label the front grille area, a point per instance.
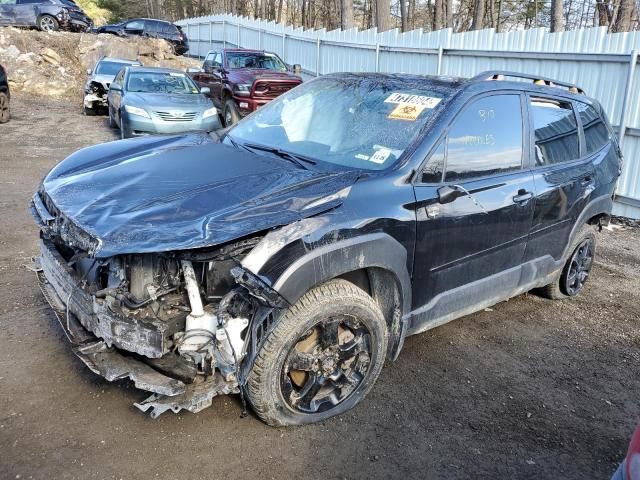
(267, 89)
(177, 116)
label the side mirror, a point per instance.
(115, 88)
(297, 69)
(449, 193)
(89, 71)
(205, 90)
(194, 70)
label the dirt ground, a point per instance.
(531, 389)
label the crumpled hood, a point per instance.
(173, 193)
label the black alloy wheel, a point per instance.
(578, 269)
(326, 365)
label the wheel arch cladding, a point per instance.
(383, 259)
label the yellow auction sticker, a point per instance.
(406, 111)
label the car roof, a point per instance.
(151, 19)
(247, 50)
(478, 84)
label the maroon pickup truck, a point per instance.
(242, 80)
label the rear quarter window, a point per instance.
(556, 131)
(596, 134)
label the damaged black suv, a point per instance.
(286, 258)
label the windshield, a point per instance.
(353, 121)
(267, 61)
(161, 82)
(110, 68)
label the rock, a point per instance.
(11, 51)
(26, 58)
(50, 56)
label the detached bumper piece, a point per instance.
(67, 298)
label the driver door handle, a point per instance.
(523, 196)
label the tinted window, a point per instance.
(595, 131)
(7, 2)
(22, 2)
(485, 139)
(153, 27)
(169, 28)
(135, 25)
(556, 131)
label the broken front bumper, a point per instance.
(70, 303)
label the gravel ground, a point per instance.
(529, 389)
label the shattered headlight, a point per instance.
(141, 112)
(209, 112)
(242, 89)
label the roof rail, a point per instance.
(536, 79)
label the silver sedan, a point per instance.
(147, 100)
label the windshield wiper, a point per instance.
(295, 158)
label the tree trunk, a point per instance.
(556, 16)
(346, 17)
(449, 17)
(383, 15)
(603, 13)
(624, 17)
(478, 15)
(438, 14)
(403, 15)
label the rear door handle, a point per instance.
(523, 196)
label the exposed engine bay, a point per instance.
(95, 96)
(183, 326)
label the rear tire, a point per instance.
(5, 108)
(337, 337)
(230, 114)
(576, 269)
(47, 23)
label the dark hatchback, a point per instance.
(288, 257)
(148, 27)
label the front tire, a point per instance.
(47, 23)
(124, 134)
(577, 268)
(230, 114)
(323, 356)
(5, 108)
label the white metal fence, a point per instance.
(604, 65)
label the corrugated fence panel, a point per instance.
(591, 58)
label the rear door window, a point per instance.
(556, 131)
(595, 131)
(485, 139)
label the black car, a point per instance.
(150, 28)
(47, 15)
(288, 257)
(5, 96)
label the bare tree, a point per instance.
(557, 24)
(383, 15)
(478, 15)
(624, 18)
(403, 15)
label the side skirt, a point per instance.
(478, 295)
